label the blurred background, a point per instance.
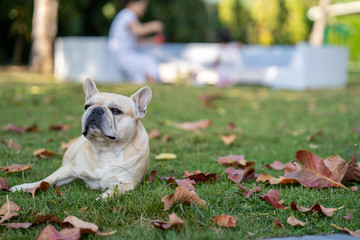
(264, 22)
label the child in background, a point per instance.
(124, 37)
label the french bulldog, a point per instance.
(112, 153)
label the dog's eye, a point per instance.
(86, 107)
(116, 111)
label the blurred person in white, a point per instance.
(125, 35)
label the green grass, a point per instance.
(274, 126)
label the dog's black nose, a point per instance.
(98, 111)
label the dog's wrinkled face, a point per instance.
(112, 116)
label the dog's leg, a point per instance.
(62, 175)
(121, 188)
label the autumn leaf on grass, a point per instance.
(272, 197)
(237, 175)
(12, 128)
(182, 195)
(4, 185)
(66, 145)
(336, 165)
(263, 177)
(314, 173)
(352, 173)
(192, 126)
(13, 145)
(278, 223)
(245, 191)
(199, 176)
(315, 208)
(154, 133)
(59, 127)
(355, 233)
(225, 221)
(276, 165)
(292, 166)
(43, 186)
(50, 233)
(295, 222)
(228, 140)
(16, 168)
(348, 217)
(186, 183)
(165, 156)
(354, 188)
(39, 220)
(235, 161)
(8, 210)
(85, 227)
(174, 222)
(43, 153)
(231, 127)
(152, 176)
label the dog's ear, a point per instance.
(89, 88)
(142, 99)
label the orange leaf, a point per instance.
(225, 221)
(228, 139)
(182, 195)
(263, 177)
(16, 168)
(42, 187)
(174, 222)
(43, 153)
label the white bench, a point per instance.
(296, 67)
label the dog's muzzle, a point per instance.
(94, 120)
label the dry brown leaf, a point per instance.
(85, 227)
(13, 145)
(47, 218)
(166, 138)
(152, 176)
(272, 197)
(231, 127)
(257, 189)
(12, 128)
(174, 222)
(4, 186)
(315, 208)
(276, 165)
(182, 195)
(65, 146)
(41, 187)
(336, 165)
(352, 170)
(43, 153)
(59, 127)
(17, 225)
(228, 140)
(355, 233)
(225, 221)
(314, 173)
(16, 168)
(292, 166)
(235, 161)
(154, 133)
(295, 222)
(278, 223)
(194, 126)
(199, 176)
(263, 177)
(8, 210)
(50, 233)
(245, 191)
(57, 192)
(283, 180)
(354, 188)
(348, 217)
(237, 175)
(186, 183)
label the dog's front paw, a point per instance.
(106, 195)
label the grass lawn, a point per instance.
(274, 125)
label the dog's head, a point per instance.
(112, 116)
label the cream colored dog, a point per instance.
(113, 152)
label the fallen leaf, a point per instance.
(278, 223)
(237, 175)
(336, 165)
(65, 146)
(354, 188)
(17, 225)
(47, 218)
(16, 168)
(314, 173)
(57, 192)
(193, 126)
(166, 156)
(272, 197)
(231, 127)
(235, 161)
(245, 191)
(228, 140)
(83, 209)
(207, 99)
(166, 138)
(283, 180)
(174, 222)
(32, 128)
(43, 153)
(50, 233)
(85, 227)
(59, 127)
(4, 185)
(13, 145)
(295, 222)
(182, 195)
(186, 183)
(152, 176)
(355, 233)
(292, 166)
(276, 165)
(257, 189)
(263, 177)
(348, 217)
(352, 173)
(8, 210)
(202, 177)
(12, 128)
(225, 221)
(41, 187)
(154, 133)
(315, 208)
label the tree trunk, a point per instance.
(44, 31)
(318, 28)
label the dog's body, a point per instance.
(113, 152)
